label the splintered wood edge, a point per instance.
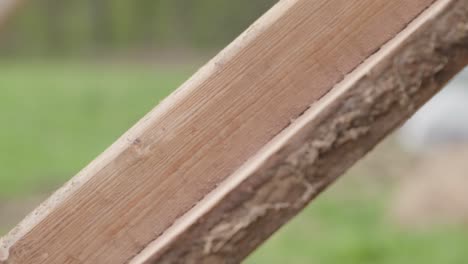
(322, 144)
(53, 233)
(43, 210)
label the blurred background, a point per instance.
(75, 75)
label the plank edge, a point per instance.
(184, 238)
(126, 140)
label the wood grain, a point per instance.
(205, 131)
(311, 153)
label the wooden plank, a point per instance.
(204, 132)
(322, 144)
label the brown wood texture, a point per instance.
(333, 134)
(231, 125)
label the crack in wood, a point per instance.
(346, 131)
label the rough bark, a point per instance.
(123, 201)
(343, 126)
(201, 134)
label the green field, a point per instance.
(56, 117)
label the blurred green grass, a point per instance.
(355, 231)
(56, 117)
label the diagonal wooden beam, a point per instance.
(254, 136)
(322, 144)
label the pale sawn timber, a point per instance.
(209, 133)
(322, 144)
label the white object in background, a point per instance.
(6, 6)
(442, 121)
